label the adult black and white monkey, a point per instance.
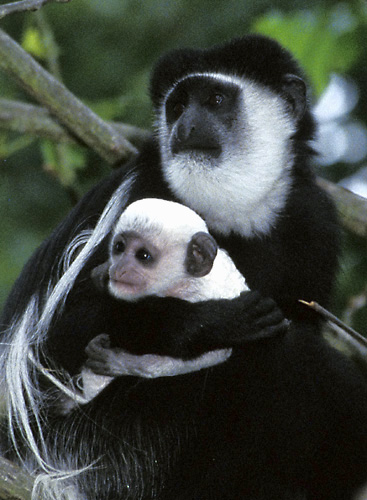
(284, 417)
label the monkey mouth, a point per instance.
(127, 283)
(202, 152)
(125, 286)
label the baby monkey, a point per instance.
(159, 248)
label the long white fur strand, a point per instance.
(20, 357)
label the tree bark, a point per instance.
(37, 121)
(24, 5)
(71, 112)
(351, 207)
(15, 484)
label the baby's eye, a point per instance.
(119, 246)
(144, 256)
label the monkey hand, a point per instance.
(260, 317)
(99, 355)
(246, 318)
(114, 362)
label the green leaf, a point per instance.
(63, 161)
(33, 43)
(316, 42)
(10, 145)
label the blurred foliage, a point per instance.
(324, 40)
(104, 51)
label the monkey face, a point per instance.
(200, 114)
(134, 260)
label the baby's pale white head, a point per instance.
(157, 245)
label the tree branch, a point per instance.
(71, 112)
(36, 121)
(336, 321)
(25, 5)
(351, 207)
(15, 484)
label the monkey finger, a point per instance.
(103, 340)
(98, 344)
(97, 367)
(253, 305)
(96, 357)
(274, 330)
(250, 298)
(264, 306)
(273, 317)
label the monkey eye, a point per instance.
(215, 100)
(119, 246)
(144, 256)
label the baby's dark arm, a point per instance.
(178, 328)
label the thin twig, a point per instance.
(336, 321)
(51, 49)
(25, 5)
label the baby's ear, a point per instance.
(200, 255)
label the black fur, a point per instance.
(285, 418)
(259, 58)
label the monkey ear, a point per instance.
(100, 276)
(295, 93)
(201, 252)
